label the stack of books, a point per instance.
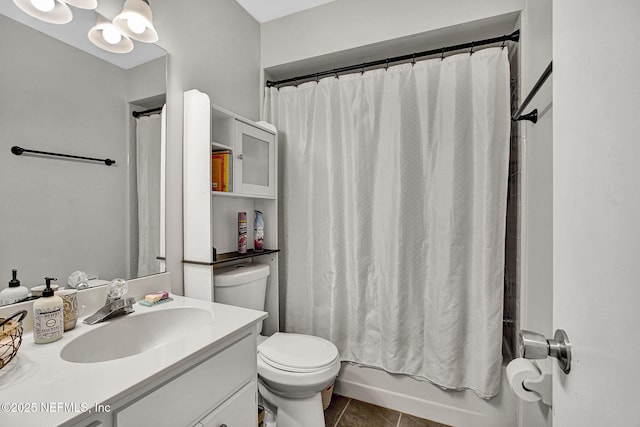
(221, 171)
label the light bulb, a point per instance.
(136, 24)
(44, 5)
(111, 35)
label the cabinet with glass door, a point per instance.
(229, 166)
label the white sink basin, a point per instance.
(134, 334)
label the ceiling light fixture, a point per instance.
(51, 11)
(44, 5)
(106, 36)
(136, 21)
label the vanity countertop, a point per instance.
(39, 388)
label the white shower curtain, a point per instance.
(148, 174)
(393, 202)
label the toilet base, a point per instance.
(306, 412)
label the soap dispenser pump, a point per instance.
(15, 292)
(48, 316)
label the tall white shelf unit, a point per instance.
(210, 217)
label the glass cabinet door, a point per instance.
(255, 161)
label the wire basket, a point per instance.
(10, 336)
(260, 416)
(326, 397)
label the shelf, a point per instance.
(240, 195)
(234, 256)
(218, 146)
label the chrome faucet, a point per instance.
(115, 305)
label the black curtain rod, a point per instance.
(19, 150)
(137, 114)
(532, 116)
(514, 37)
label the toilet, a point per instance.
(292, 368)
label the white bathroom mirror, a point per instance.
(60, 215)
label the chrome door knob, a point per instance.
(535, 346)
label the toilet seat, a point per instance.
(292, 371)
(298, 353)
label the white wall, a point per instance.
(213, 46)
(536, 190)
(347, 24)
(57, 98)
(147, 80)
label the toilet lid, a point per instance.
(298, 353)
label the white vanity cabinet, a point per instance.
(197, 368)
(238, 411)
(220, 390)
(224, 384)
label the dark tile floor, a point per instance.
(345, 412)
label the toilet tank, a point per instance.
(241, 285)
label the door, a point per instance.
(596, 212)
(255, 165)
(241, 410)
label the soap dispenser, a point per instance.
(14, 292)
(48, 317)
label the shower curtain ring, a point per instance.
(386, 64)
(442, 55)
(503, 44)
(317, 78)
(413, 60)
(471, 51)
(296, 85)
(362, 71)
(337, 76)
